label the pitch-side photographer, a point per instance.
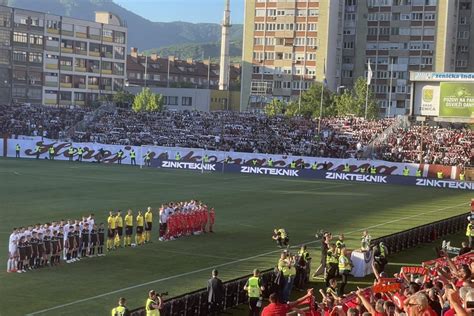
(153, 304)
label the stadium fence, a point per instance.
(195, 303)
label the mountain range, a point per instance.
(181, 39)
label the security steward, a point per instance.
(373, 170)
(254, 290)
(462, 176)
(205, 159)
(80, 153)
(70, 153)
(293, 165)
(314, 166)
(51, 153)
(380, 257)
(345, 267)
(133, 156)
(418, 173)
(17, 151)
(406, 171)
(153, 304)
(147, 158)
(303, 267)
(470, 232)
(121, 309)
(120, 156)
(439, 175)
(270, 162)
(37, 151)
(362, 169)
(177, 157)
(347, 168)
(332, 262)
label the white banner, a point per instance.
(91, 154)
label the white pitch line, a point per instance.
(227, 263)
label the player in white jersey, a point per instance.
(12, 251)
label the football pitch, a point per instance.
(247, 207)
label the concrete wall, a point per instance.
(200, 97)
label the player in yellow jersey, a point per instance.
(119, 229)
(127, 241)
(139, 234)
(111, 225)
(148, 224)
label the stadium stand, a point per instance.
(346, 137)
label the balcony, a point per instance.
(80, 52)
(66, 85)
(79, 102)
(106, 71)
(66, 67)
(107, 88)
(94, 86)
(80, 69)
(49, 101)
(52, 48)
(108, 55)
(65, 102)
(107, 39)
(52, 31)
(93, 53)
(53, 84)
(94, 37)
(52, 66)
(81, 35)
(67, 33)
(80, 86)
(66, 50)
(96, 70)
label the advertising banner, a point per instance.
(456, 100)
(244, 163)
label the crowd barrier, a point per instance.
(109, 154)
(195, 303)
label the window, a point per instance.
(19, 56)
(172, 101)
(463, 34)
(52, 24)
(186, 101)
(119, 52)
(34, 94)
(36, 39)
(119, 37)
(19, 75)
(461, 63)
(20, 37)
(19, 92)
(35, 57)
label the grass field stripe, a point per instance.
(227, 263)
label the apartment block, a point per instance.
(171, 72)
(288, 45)
(56, 60)
(395, 36)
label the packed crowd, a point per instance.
(244, 132)
(438, 287)
(429, 144)
(43, 245)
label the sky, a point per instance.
(196, 11)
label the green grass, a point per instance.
(247, 209)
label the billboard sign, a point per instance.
(456, 100)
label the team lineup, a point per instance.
(41, 245)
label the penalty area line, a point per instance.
(228, 263)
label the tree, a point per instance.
(345, 104)
(274, 108)
(147, 101)
(123, 98)
(360, 92)
(311, 103)
(352, 102)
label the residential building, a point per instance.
(288, 45)
(156, 71)
(395, 36)
(58, 60)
